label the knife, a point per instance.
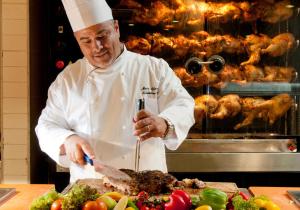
(108, 171)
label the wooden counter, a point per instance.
(25, 194)
(278, 196)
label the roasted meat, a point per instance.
(254, 45)
(253, 73)
(277, 12)
(278, 74)
(250, 112)
(193, 13)
(157, 13)
(223, 12)
(280, 44)
(138, 45)
(160, 45)
(153, 182)
(275, 107)
(228, 106)
(186, 78)
(230, 73)
(204, 105)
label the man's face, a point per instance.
(100, 43)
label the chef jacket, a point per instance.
(100, 104)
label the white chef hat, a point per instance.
(85, 13)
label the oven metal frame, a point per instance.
(213, 155)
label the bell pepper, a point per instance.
(176, 202)
(186, 197)
(215, 198)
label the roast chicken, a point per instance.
(251, 108)
(204, 106)
(275, 107)
(235, 74)
(250, 112)
(193, 13)
(280, 44)
(278, 74)
(253, 73)
(139, 45)
(254, 45)
(228, 106)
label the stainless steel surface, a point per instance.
(233, 162)
(140, 104)
(234, 155)
(137, 155)
(235, 145)
(109, 171)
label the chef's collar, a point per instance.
(90, 68)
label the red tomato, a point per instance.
(91, 205)
(145, 208)
(56, 205)
(101, 204)
(143, 195)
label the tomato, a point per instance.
(101, 204)
(144, 207)
(143, 196)
(91, 205)
(56, 205)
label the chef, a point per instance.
(91, 106)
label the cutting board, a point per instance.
(278, 196)
(228, 187)
(25, 194)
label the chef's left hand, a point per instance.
(148, 125)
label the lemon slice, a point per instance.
(121, 205)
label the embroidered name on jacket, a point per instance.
(149, 90)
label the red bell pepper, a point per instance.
(179, 200)
(186, 197)
(176, 203)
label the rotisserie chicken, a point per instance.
(193, 13)
(138, 45)
(278, 74)
(277, 12)
(253, 73)
(230, 73)
(204, 105)
(250, 112)
(275, 107)
(280, 44)
(254, 45)
(228, 106)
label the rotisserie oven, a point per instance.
(240, 61)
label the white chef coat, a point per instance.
(99, 105)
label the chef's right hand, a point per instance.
(75, 147)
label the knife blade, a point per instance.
(107, 170)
